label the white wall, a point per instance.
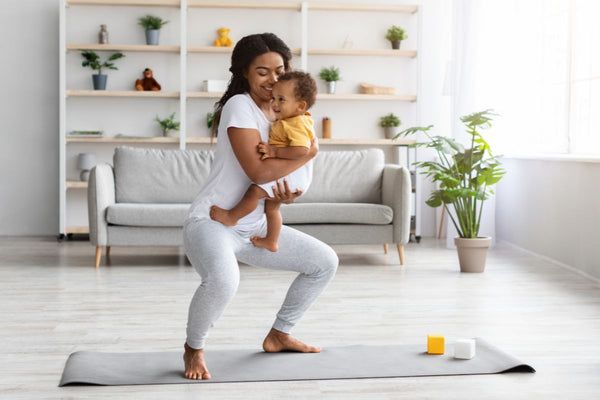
(29, 109)
(552, 208)
(29, 153)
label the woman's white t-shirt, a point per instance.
(227, 182)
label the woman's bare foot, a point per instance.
(278, 341)
(264, 243)
(195, 367)
(223, 216)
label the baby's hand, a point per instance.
(266, 150)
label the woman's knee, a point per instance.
(222, 286)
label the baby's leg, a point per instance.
(274, 223)
(247, 204)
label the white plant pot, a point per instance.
(472, 253)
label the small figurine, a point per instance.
(148, 83)
(103, 35)
(223, 40)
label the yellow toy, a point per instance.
(435, 344)
(223, 40)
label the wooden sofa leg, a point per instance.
(107, 251)
(98, 255)
(401, 253)
(385, 248)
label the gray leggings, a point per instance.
(214, 251)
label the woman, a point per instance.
(244, 116)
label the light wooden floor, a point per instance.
(54, 303)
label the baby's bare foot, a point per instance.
(223, 216)
(264, 243)
(195, 367)
(278, 341)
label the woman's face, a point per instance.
(262, 75)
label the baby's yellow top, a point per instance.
(293, 131)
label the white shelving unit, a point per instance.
(183, 94)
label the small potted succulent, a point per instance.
(389, 123)
(92, 60)
(330, 75)
(395, 35)
(465, 175)
(168, 124)
(152, 25)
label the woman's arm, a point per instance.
(244, 143)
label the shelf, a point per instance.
(77, 184)
(144, 3)
(156, 139)
(408, 9)
(120, 93)
(123, 47)
(323, 96)
(344, 142)
(364, 52)
(358, 96)
(221, 50)
(78, 229)
(245, 4)
(323, 6)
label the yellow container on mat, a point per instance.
(435, 344)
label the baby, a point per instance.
(290, 137)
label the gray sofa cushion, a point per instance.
(159, 176)
(158, 215)
(346, 177)
(330, 213)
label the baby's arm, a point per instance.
(290, 152)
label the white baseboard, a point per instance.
(553, 261)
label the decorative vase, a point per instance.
(472, 253)
(326, 128)
(331, 87)
(152, 36)
(99, 81)
(396, 44)
(103, 35)
(390, 131)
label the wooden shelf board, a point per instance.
(358, 96)
(157, 139)
(120, 93)
(77, 184)
(123, 47)
(145, 3)
(78, 229)
(245, 4)
(408, 9)
(293, 5)
(344, 142)
(323, 96)
(221, 50)
(364, 52)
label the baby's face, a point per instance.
(284, 101)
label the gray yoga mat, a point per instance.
(349, 362)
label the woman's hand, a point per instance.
(314, 148)
(284, 194)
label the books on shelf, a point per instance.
(86, 134)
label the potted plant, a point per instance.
(168, 124)
(92, 60)
(465, 176)
(395, 35)
(330, 75)
(152, 25)
(388, 123)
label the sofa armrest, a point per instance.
(101, 194)
(396, 193)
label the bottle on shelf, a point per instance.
(103, 35)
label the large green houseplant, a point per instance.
(465, 175)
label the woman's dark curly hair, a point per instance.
(244, 52)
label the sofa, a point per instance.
(144, 197)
